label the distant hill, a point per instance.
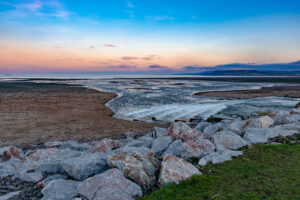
(249, 73)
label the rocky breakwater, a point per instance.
(135, 164)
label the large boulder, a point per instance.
(201, 126)
(159, 132)
(260, 135)
(219, 156)
(174, 149)
(237, 126)
(213, 128)
(161, 144)
(47, 160)
(175, 169)
(137, 167)
(102, 186)
(33, 177)
(141, 142)
(265, 121)
(229, 140)
(178, 128)
(76, 146)
(196, 147)
(85, 165)
(47, 180)
(287, 129)
(60, 189)
(141, 150)
(281, 117)
(106, 145)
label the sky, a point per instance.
(145, 35)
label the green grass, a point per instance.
(263, 172)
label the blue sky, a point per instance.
(98, 35)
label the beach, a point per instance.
(33, 113)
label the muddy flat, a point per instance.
(39, 112)
(277, 91)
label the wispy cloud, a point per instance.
(160, 18)
(150, 57)
(109, 45)
(158, 67)
(129, 58)
(38, 8)
(123, 67)
(129, 4)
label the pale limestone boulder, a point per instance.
(106, 145)
(229, 140)
(174, 149)
(161, 144)
(219, 156)
(159, 132)
(101, 186)
(175, 169)
(260, 135)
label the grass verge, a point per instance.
(263, 172)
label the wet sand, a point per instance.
(278, 91)
(39, 112)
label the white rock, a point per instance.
(33, 177)
(175, 169)
(141, 150)
(112, 181)
(265, 121)
(260, 135)
(196, 147)
(219, 156)
(237, 126)
(47, 180)
(229, 140)
(202, 125)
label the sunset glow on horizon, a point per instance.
(145, 35)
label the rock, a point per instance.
(175, 169)
(177, 129)
(265, 121)
(229, 140)
(85, 166)
(137, 167)
(161, 144)
(106, 145)
(293, 118)
(33, 177)
(141, 142)
(141, 150)
(281, 117)
(47, 180)
(8, 168)
(260, 135)
(159, 132)
(213, 128)
(201, 126)
(60, 189)
(7, 153)
(287, 129)
(237, 126)
(9, 196)
(75, 146)
(108, 194)
(47, 160)
(174, 149)
(196, 147)
(219, 156)
(101, 186)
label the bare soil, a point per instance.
(40, 112)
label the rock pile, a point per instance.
(132, 166)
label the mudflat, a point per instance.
(278, 91)
(38, 112)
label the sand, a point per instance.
(38, 112)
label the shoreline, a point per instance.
(39, 112)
